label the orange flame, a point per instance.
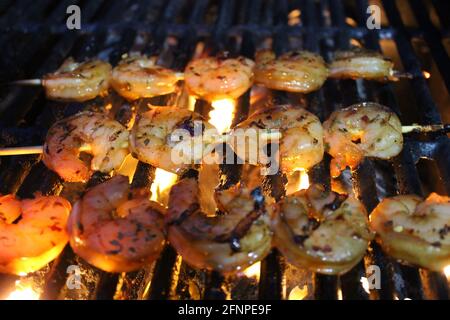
(161, 185)
(23, 292)
(222, 114)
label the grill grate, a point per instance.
(37, 43)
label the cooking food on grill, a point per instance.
(171, 138)
(215, 78)
(301, 143)
(230, 241)
(137, 76)
(414, 230)
(321, 230)
(362, 63)
(295, 71)
(32, 232)
(115, 228)
(106, 140)
(366, 129)
(78, 81)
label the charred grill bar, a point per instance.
(38, 42)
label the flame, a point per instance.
(365, 284)
(303, 182)
(191, 103)
(23, 292)
(298, 293)
(161, 184)
(253, 271)
(128, 167)
(426, 74)
(222, 114)
(447, 272)
(339, 294)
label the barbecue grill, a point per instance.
(35, 40)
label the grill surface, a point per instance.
(35, 41)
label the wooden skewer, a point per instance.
(16, 151)
(26, 82)
(445, 128)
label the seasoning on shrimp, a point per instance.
(216, 78)
(75, 81)
(137, 76)
(295, 71)
(366, 129)
(227, 242)
(32, 232)
(105, 139)
(321, 230)
(362, 63)
(301, 143)
(115, 228)
(414, 230)
(171, 138)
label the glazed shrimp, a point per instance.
(301, 143)
(321, 230)
(296, 71)
(115, 228)
(105, 139)
(37, 238)
(228, 242)
(366, 129)
(362, 63)
(138, 77)
(414, 230)
(215, 78)
(75, 81)
(170, 138)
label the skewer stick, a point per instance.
(427, 128)
(26, 82)
(399, 74)
(16, 151)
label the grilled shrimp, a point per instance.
(75, 81)
(105, 139)
(170, 138)
(366, 129)
(296, 71)
(117, 229)
(321, 230)
(215, 78)
(138, 77)
(227, 242)
(361, 63)
(37, 238)
(413, 230)
(301, 144)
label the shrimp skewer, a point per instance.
(414, 230)
(28, 244)
(321, 230)
(115, 228)
(227, 243)
(105, 139)
(361, 130)
(296, 71)
(216, 78)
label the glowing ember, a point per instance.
(222, 114)
(447, 272)
(253, 271)
(23, 292)
(426, 74)
(365, 284)
(294, 17)
(161, 185)
(298, 293)
(304, 180)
